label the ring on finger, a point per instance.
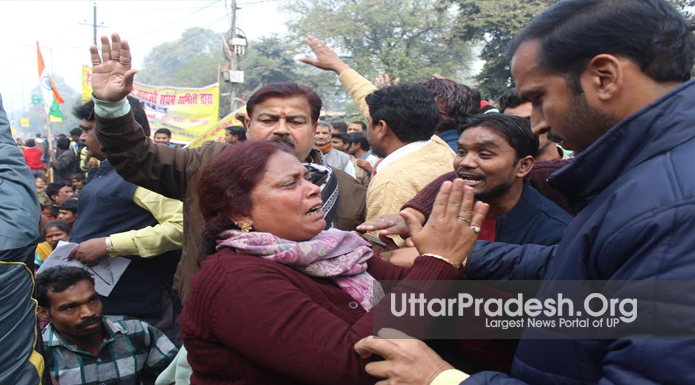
(476, 229)
(319, 45)
(392, 223)
(464, 219)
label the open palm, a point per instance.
(112, 77)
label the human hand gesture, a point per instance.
(453, 226)
(326, 58)
(383, 81)
(407, 361)
(112, 78)
(390, 224)
(365, 164)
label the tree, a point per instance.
(271, 60)
(190, 61)
(494, 23)
(405, 38)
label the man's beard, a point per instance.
(494, 192)
(583, 124)
(285, 139)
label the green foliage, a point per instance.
(494, 23)
(405, 38)
(190, 61)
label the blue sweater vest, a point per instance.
(106, 207)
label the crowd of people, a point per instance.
(265, 258)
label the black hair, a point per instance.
(76, 131)
(53, 188)
(164, 131)
(59, 224)
(78, 176)
(63, 143)
(342, 136)
(340, 126)
(361, 138)
(410, 111)
(361, 123)
(510, 99)
(455, 102)
(30, 142)
(57, 279)
(476, 99)
(238, 131)
(515, 129)
(86, 112)
(652, 33)
(70, 205)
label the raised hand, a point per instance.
(383, 81)
(112, 77)
(326, 58)
(453, 226)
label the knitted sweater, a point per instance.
(253, 321)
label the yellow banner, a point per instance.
(187, 112)
(217, 132)
(86, 84)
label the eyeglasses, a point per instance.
(69, 192)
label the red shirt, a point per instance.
(487, 230)
(33, 158)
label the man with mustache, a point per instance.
(282, 112)
(85, 347)
(494, 156)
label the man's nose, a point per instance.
(281, 128)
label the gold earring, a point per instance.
(244, 226)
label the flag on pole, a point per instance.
(51, 97)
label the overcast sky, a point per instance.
(145, 24)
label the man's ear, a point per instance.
(247, 122)
(53, 198)
(315, 126)
(43, 313)
(382, 129)
(524, 166)
(605, 75)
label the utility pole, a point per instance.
(94, 25)
(235, 47)
(233, 62)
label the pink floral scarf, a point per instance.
(340, 255)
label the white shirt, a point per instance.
(402, 153)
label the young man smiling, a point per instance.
(85, 347)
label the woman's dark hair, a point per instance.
(57, 279)
(225, 186)
(64, 227)
(286, 90)
(652, 33)
(515, 129)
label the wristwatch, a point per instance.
(110, 249)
